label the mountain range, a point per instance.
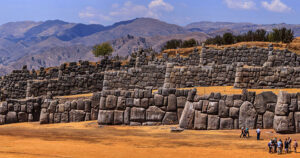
(52, 42)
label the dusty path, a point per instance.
(86, 139)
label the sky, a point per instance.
(181, 12)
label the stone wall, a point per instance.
(146, 76)
(264, 110)
(141, 107)
(267, 77)
(70, 110)
(25, 110)
(216, 75)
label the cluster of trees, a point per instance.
(177, 43)
(277, 35)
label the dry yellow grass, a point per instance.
(87, 140)
(231, 90)
(86, 95)
(293, 46)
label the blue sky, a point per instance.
(180, 12)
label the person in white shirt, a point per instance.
(258, 133)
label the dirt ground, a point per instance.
(87, 139)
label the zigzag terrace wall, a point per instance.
(141, 107)
(264, 110)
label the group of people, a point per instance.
(278, 146)
(245, 133)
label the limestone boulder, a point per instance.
(181, 102)
(297, 122)
(223, 109)
(22, 117)
(158, 100)
(106, 117)
(2, 119)
(118, 117)
(212, 108)
(170, 118)
(172, 103)
(137, 114)
(281, 124)
(121, 103)
(213, 122)
(234, 112)
(3, 108)
(262, 99)
(200, 122)
(247, 115)
(111, 102)
(187, 116)
(226, 123)
(281, 109)
(154, 114)
(283, 98)
(44, 116)
(268, 118)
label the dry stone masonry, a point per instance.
(146, 90)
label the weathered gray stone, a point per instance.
(44, 116)
(262, 99)
(61, 108)
(87, 105)
(179, 112)
(3, 108)
(223, 109)
(281, 109)
(73, 105)
(118, 117)
(212, 108)
(271, 107)
(293, 107)
(283, 98)
(121, 103)
(236, 123)
(87, 116)
(80, 104)
(259, 121)
(281, 124)
(151, 123)
(154, 113)
(172, 103)
(11, 117)
(67, 106)
(22, 117)
(57, 117)
(144, 103)
(135, 123)
(102, 103)
(226, 123)
(158, 100)
(187, 117)
(64, 117)
(213, 122)
(297, 122)
(51, 118)
(237, 103)
(205, 106)
(30, 118)
(268, 120)
(137, 114)
(247, 115)
(198, 105)
(170, 118)
(111, 102)
(2, 119)
(76, 115)
(94, 114)
(136, 102)
(127, 116)
(181, 102)
(200, 122)
(52, 106)
(229, 101)
(106, 117)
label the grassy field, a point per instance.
(232, 90)
(87, 140)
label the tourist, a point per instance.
(242, 132)
(270, 145)
(286, 146)
(279, 146)
(275, 144)
(295, 145)
(290, 143)
(247, 132)
(258, 133)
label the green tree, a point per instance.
(104, 49)
(172, 44)
(189, 43)
(228, 38)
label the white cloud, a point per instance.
(128, 10)
(160, 4)
(276, 6)
(240, 4)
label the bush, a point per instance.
(103, 49)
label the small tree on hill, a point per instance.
(228, 38)
(104, 49)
